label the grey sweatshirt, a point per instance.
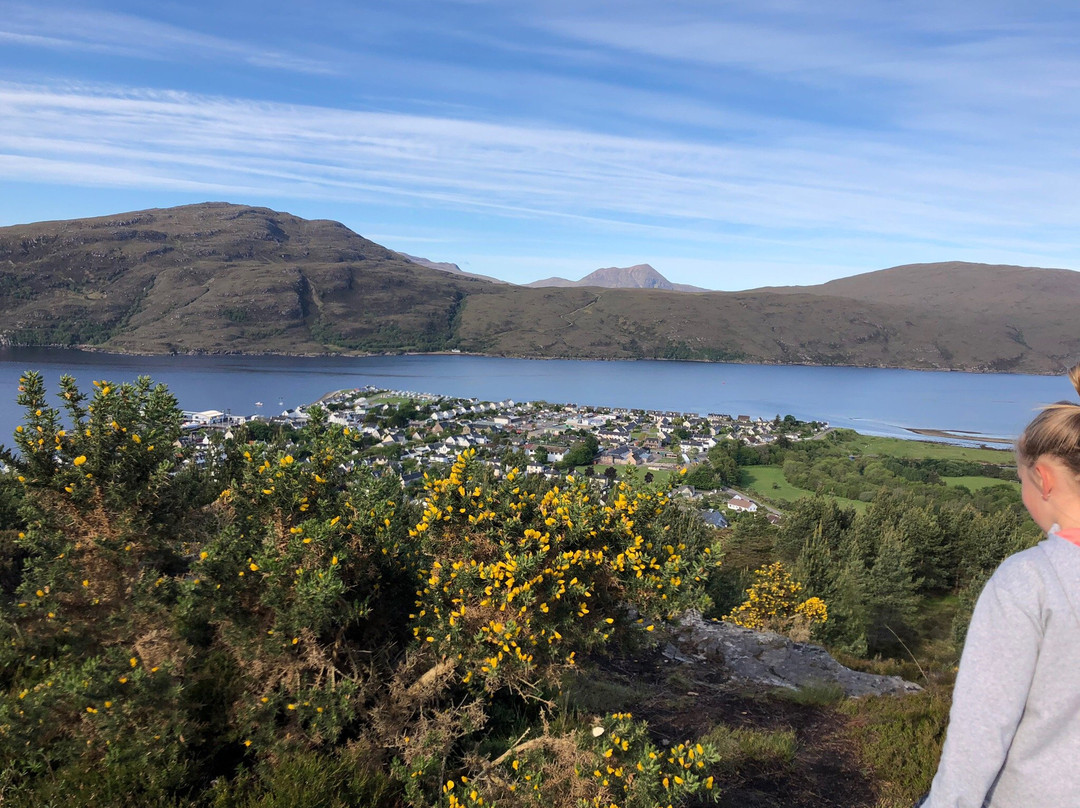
(1014, 729)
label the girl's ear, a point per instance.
(1045, 478)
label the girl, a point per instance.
(1014, 729)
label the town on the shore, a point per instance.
(404, 432)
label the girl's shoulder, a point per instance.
(1037, 570)
(1029, 566)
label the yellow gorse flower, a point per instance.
(774, 603)
(527, 573)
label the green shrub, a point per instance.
(899, 739)
(815, 694)
(344, 779)
(746, 749)
(271, 627)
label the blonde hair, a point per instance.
(1055, 431)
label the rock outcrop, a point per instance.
(765, 658)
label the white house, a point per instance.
(555, 454)
(738, 503)
(204, 417)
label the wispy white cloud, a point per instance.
(665, 187)
(125, 35)
(900, 67)
(729, 144)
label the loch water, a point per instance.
(870, 400)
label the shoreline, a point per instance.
(95, 349)
(885, 425)
(959, 434)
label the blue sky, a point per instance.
(729, 144)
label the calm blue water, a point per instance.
(881, 402)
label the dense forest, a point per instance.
(915, 546)
(270, 623)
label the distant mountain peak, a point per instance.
(445, 266)
(639, 276)
(442, 266)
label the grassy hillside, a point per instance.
(768, 327)
(620, 323)
(229, 278)
(219, 277)
(1024, 311)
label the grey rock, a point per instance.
(673, 654)
(765, 658)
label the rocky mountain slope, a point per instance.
(217, 277)
(446, 266)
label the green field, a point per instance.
(975, 483)
(900, 447)
(388, 398)
(768, 483)
(638, 473)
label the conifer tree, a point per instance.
(891, 593)
(846, 628)
(820, 516)
(934, 552)
(816, 566)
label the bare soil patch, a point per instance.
(689, 701)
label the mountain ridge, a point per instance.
(225, 278)
(446, 266)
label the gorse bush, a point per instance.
(293, 584)
(613, 763)
(90, 650)
(774, 602)
(174, 631)
(520, 580)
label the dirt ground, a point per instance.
(686, 701)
